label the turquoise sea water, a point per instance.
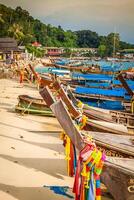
(53, 70)
(105, 65)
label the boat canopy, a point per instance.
(120, 92)
(108, 84)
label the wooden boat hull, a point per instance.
(92, 124)
(115, 175)
(33, 105)
(112, 116)
(31, 102)
(33, 111)
(113, 145)
(118, 176)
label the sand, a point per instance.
(31, 153)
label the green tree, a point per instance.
(19, 24)
(16, 31)
(102, 50)
(37, 51)
(1, 19)
(113, 43)
(67, 52)
(87, 38)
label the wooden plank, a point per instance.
(118, 143)
(108, 127)
(125, 85)
(100, 97)
(72, 97)
(117, 178)
(45, 82)
(66, 100)
(47, 96)
(67, 124)
(112, 168)
(97, 115)
(33, 71)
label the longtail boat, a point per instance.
(28, 104)
(103, 139)
(118, 173)
(34, 105)
(120, 117)
(115, 94)
(101, 94)
(93, 124)
(42, 81)
(92, 113)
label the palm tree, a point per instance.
(16, 31)
(1, 19)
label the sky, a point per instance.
(102, 16)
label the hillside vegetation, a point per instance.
(25, 29)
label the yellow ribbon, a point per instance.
(132, 105)
(80, 104)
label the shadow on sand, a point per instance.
(31, 193)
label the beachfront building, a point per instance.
(9, 50)
(84, 51)
(36, 44)
(127, 53)
(54, 51)
(61, 51)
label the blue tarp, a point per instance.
(111, 105)
(92, 84)
(100, 79)
(97, 91)
(108, 84)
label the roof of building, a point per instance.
(36, 44)
(8, 44)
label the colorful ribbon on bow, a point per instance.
(82, 121)
(80, 104)
(70, 154)
(87, 178)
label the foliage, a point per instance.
(125, 45)
(68, 52)
(109, 44)
(16, 31)
(102, 50)
(112, 43)
(25, 29)
(87, 38)
(36, 51)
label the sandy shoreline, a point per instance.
(31, 153)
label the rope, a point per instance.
(26, 107)
(56, 92)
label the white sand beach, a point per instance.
(31, 153)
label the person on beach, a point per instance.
(21, 76)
